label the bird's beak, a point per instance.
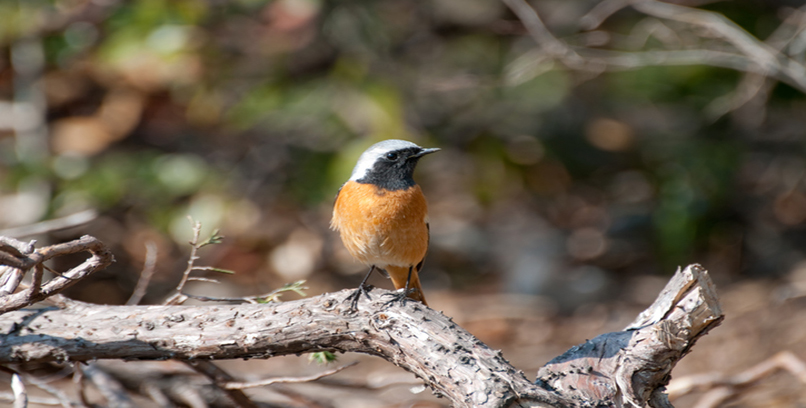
(426, 151)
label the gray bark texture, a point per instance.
(627, 368)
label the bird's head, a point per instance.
(389, 164)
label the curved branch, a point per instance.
(423, 341)
(627, 368)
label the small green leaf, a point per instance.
(295, 287)
(213, 239)
(322, 357)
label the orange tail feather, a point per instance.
(399, 276)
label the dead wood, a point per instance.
(16, 260)
(627, 368)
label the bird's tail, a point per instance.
(399, 275)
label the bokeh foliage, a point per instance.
(249, 114)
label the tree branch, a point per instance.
(101, 258)
(628, 367)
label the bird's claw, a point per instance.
(356, 295)
(399, 296)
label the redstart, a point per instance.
(382, 216)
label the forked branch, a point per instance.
(616, 369)
(15, 263)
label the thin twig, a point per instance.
(9, 397)
(252, 384)
(202, 279)
(60, 395)
(721, 386)
(10, 279)
(792, 26)
(78, 380)
(20, 394)
(299, 398)
(753, 85)
(110, 388)
(368, 385)
(766, 57)
(70, 221)
(149, 267)
(220, 378)
(601, 12)
(272, 296)
(542, 36)
(751, 55)
(178, 297)
(154, 392)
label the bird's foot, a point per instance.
(356, 295)
(398, 296)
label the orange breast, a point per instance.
(381, 227)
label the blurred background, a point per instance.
(585, 155)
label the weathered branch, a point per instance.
(101, 258)
(629, 367)
(633, 365)
(421, 340)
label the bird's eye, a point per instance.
(391, 156)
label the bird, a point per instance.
(381, 215)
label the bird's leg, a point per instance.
(362, 289)
(401, 296)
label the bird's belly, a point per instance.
(382, 227)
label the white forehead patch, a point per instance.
(375, 152)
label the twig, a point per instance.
(751, 55)
(201, 279)
(154, 392)
(754, 86)
(78, 380)
(9, 397)
(10, 278)
(101, 258)
(534, 25)
(149, 266)
(179, 297)
(36, 283)
(759, 53)
(110, 388)
(20, 394)
(252, 384)
(299, 398)
(722, 387)
(792, 26)
(63, 399)
(12, 274)
(616, 60)
(272, 296)
(22, 248)
(220, 378)
(601, 12)
(70, 221)
(189, 395)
